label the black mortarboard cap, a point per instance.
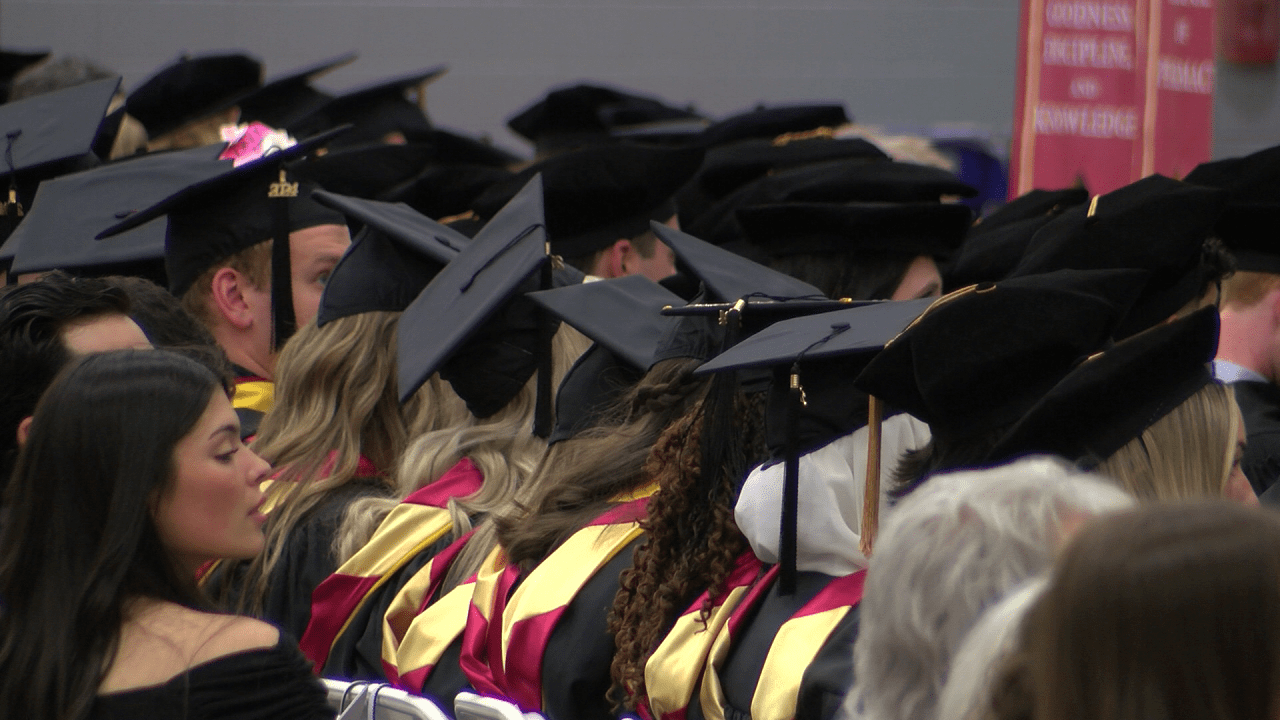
(212, 220)
(839, 181)
(770, 122)
(473, 325)
(729, 167)
(13, 62)
(60, 230)
(623, 317)
(192, 88)
(583, 114)
(366, 171)
(908, 228)
(1033, 204)
(596, 196)
(1155, 224)
(1248, 223)
(390, 261)
(730, 277)
(991, 255)
(375, 110)
(45, 136)
(979, 357)
(454, 147)
(1111, 398)
(446, 190)
(284, 99)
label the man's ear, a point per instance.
(227, 295)
(618, 254)
(24, 430)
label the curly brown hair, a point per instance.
(691, 539)
(579, 477)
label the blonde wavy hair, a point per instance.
(502, 446)
(335, 393)
(1188, 453)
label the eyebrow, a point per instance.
(228, 428)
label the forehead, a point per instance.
(321, 242)
(101, 333)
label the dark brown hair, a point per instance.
(577, 478)
(1168, 612)
(691, 539)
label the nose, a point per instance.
(259, 469)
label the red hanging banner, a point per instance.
(1111, 91)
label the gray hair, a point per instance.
(948, 551)
(983, 654)
(56, 74)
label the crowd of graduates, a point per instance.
(749, 417)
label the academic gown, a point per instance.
(541, 639)
(346, 608)
(306, 560)
(254, 397)
(1260, 405)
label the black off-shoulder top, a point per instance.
(273, 683)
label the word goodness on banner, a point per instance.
(1111, 91)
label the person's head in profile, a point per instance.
(1168, 611)
(132, 477)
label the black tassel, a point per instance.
(546, 330)
(284, 323)
(790, 488)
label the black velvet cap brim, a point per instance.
(980, 357)
(911, 229)
(60, 230)
(1111, 398)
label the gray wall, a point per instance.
(899, 63)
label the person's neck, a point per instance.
(240, 356)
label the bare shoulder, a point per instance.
(164, 639)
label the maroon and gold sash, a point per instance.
(415, 524)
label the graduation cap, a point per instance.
(451, 146)
(596, 196)
(1112, 397)
(1252, 212)
(13, 62)
(584, 114)
(979, 357)
(289, 97)
(814, 359)
(192, 88)
(473, 324)
(45, 136)
(390, 261)
(990, 256)
(446, 190)
(375, 110)
(730, 277)
(1034, 204)
(731, 166)
(840, 181)
(917, 228)
(212, 220)
(366, 171)
(770, 122)
(1155, 224)
(61, 228)
(623, 318)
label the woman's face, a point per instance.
(921, 280)
(213, 507)
(1238, 487)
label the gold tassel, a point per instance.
(871, 496)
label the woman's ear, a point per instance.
(24, 430)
